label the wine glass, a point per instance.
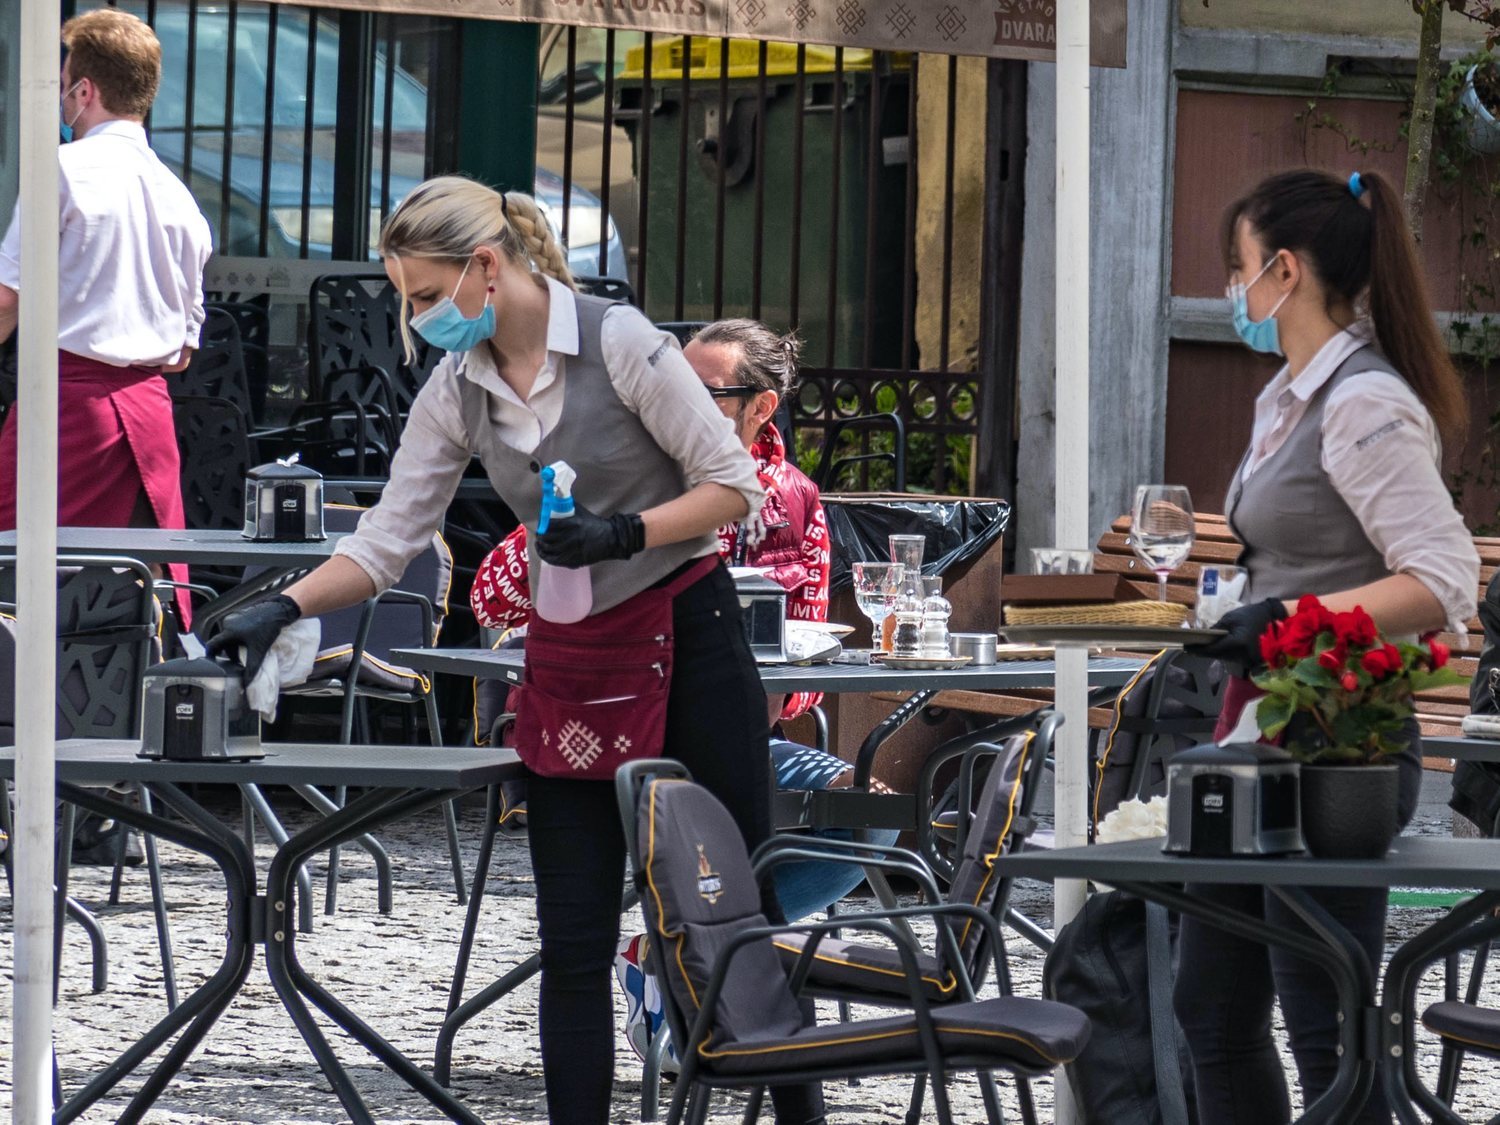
(1162, 529)
(877, 585)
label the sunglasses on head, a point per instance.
(733, 392)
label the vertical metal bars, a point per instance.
(604, 157)
(226, 156)
(799, 143)
(568, 133)
(268, 135)
(758, 223)
(307, 132)
(719, 179)
(387, 113)
(192, 93)
(643, 164)
(835, 206)
(684, 121)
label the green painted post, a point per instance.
(497, 102)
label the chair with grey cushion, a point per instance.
(998, 784)
(107, 619)
(732, 1003)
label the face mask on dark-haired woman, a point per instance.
(1258, 335)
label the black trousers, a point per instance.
(1226, 987)
(716, 726)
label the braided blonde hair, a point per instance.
(448, 216)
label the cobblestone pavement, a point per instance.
(394, 969)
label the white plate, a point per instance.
(832, 628)
(921, 663)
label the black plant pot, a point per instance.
(1349, 812)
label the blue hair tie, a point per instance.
(1356, 186)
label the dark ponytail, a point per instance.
(1358, 250)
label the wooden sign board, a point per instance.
(1001, 29)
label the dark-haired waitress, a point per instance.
(1340, 495)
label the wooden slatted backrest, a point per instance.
(1439, 711)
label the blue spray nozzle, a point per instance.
(556, 500)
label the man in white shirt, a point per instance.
(132, 248)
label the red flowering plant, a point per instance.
(1337, 689)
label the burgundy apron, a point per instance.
(115, 437)
(595, 692)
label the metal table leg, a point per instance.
(1344, 960)
(197, 1012)
(442, 1063)
(257, 805)
(294, 985)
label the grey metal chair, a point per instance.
(107, 620)
(732, 1004)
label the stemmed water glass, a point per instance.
(1162, 529)
(877, 585)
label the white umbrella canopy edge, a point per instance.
(36, 581)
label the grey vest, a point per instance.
(1299, 535)
(619, 464)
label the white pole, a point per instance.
(36, 580)
(1072, 443)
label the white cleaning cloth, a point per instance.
(289, 663)
(1246, 729)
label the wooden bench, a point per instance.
(1440, 712)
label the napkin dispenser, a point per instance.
(1240, 799)
(763, 606)
(283, 503)
(196, 711)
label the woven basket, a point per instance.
(1164, 614)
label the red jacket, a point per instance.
(796, 547)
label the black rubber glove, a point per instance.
(1245, 625)
(583, 538)
(254, 629)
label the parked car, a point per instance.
(301, 157)
(590, 59)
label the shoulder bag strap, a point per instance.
(1169, 1091)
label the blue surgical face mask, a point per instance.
(64, 125)
(1258, 335)
(445, 326)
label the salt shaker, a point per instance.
(907, 640)
(936, 610)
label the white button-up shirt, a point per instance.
(648, 372)
(1383, 456)
(133, 245)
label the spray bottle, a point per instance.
(561, 594)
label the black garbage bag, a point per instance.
(957, 529)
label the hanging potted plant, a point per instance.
(1339, 695)
(1480, 101)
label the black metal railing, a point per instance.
(716, 177)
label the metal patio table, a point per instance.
(219, 547)
(1378, 1025)
(843, 808)
(399, 782)
(1464, 748)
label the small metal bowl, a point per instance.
(978, 647)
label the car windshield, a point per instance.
(295, 27)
